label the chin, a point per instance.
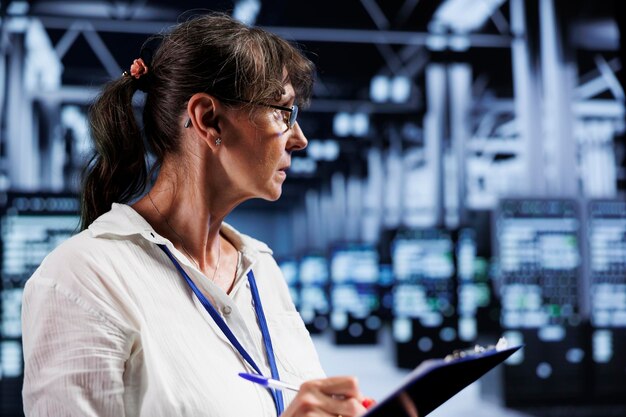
(273, 194)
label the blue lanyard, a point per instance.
(267, 341)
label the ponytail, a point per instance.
(117, 170)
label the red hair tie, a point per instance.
(138, 68)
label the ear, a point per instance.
(204, 111)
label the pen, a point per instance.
(268, 382)
(274, 383)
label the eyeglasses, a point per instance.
(290, 120)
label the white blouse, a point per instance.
(111, 329)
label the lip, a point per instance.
(282, 172)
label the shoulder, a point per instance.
(92, 265)
(73, 275)
(77, 263)
(85, 254)
(105, 242)
(73, 254)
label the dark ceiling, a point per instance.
(343, 66)
(350, 41)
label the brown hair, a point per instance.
(212, 53)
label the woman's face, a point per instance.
(256, 151)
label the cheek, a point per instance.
(262, 159)
(269, 160)
(267, 149)
(273, 149)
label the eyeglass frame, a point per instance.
(290, 122)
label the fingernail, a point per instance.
(368, 402)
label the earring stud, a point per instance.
(218, 141)
(187, 123)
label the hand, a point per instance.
(329, 397)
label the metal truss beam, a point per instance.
(383, 36)
(102, 52)
(295, 33)
(500, 22)
(67, 40)
(376, 14)
(86, 95)
(609, 77)
(405, 11)
(382, 23)
(594, 82)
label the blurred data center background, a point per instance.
(465, 179)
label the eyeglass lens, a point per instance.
(293, 116)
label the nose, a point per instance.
(297, 141)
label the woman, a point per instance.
(155, 307)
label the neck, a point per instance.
(189, 212)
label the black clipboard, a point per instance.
(435, 381)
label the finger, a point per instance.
(340, 385)
(335, 395)
(346, 407)
(309, 402)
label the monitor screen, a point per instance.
(359, 301)
(289, 268)
(313, 270)
(607, 250)
(354, 264)
(423, 266)
(538, 244)
(314, 299)
(474, 291)
(354, 271)
(31, 226)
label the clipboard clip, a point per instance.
(477, 350)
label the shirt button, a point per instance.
(227, 310)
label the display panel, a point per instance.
(424, 295)
(538, 243)
(423, 267)
(606, 231)
(314, 299)
(354, 292)
(474, 289)
(540, 258)
(31, 226)
(607, 250)
(289, 268)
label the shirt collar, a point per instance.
(122, 221)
